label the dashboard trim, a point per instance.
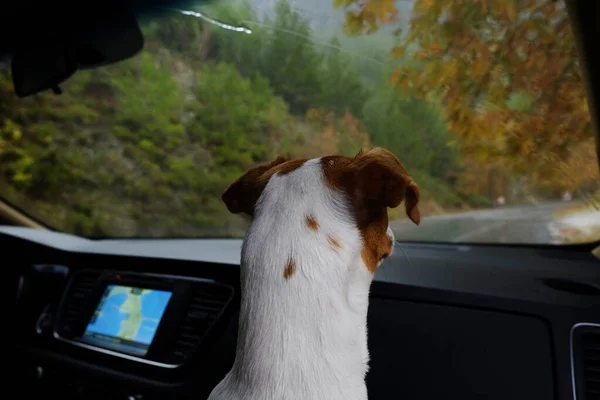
(57, 336)
(572, 351)
(114, 353)
(20, 285)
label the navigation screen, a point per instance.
(127, 318)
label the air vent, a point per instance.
(586, 361)
(590, 347)
(205, 306)
(73, 311)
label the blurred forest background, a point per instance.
(478, 99)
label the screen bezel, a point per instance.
(122, 348)
(161, 352)
(173, 314)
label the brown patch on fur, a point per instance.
(376, 243)
(290, 269)
(312, 223)
(334, 242)
(389, 247)
(241, 196)
(373, 181)
(287, 167)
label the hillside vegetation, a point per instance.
(146, 147)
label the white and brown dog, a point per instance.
(319, 231)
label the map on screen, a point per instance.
(127, 318)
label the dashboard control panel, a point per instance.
(158, 320)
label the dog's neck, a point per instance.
(305, 294)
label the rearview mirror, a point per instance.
(62, 39)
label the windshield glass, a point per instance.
(482, 101)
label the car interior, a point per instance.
(445, 320)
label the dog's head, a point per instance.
(371, 182)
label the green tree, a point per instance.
(411, 128)
(291, 62)
(234, 116)
(342, 87)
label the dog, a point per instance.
(318, 232)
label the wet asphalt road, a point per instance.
(509, 224)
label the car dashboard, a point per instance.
(445, 320)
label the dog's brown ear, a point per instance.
(411, 202)
(241, 196)
(380, 181)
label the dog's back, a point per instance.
(306, 270)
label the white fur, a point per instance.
(304, 338)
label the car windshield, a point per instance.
(482, 101)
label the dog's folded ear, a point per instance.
(241, 196)
(381, 181)
(411, 202)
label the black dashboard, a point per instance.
(445, 321)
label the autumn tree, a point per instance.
(577, 172)
(326, 133)
(506, 72)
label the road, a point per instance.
(517, 224)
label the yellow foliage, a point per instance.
(490, 179)
(368, 15)
(578, 170)
(511, 98)
(398, 51)
(326, 134)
